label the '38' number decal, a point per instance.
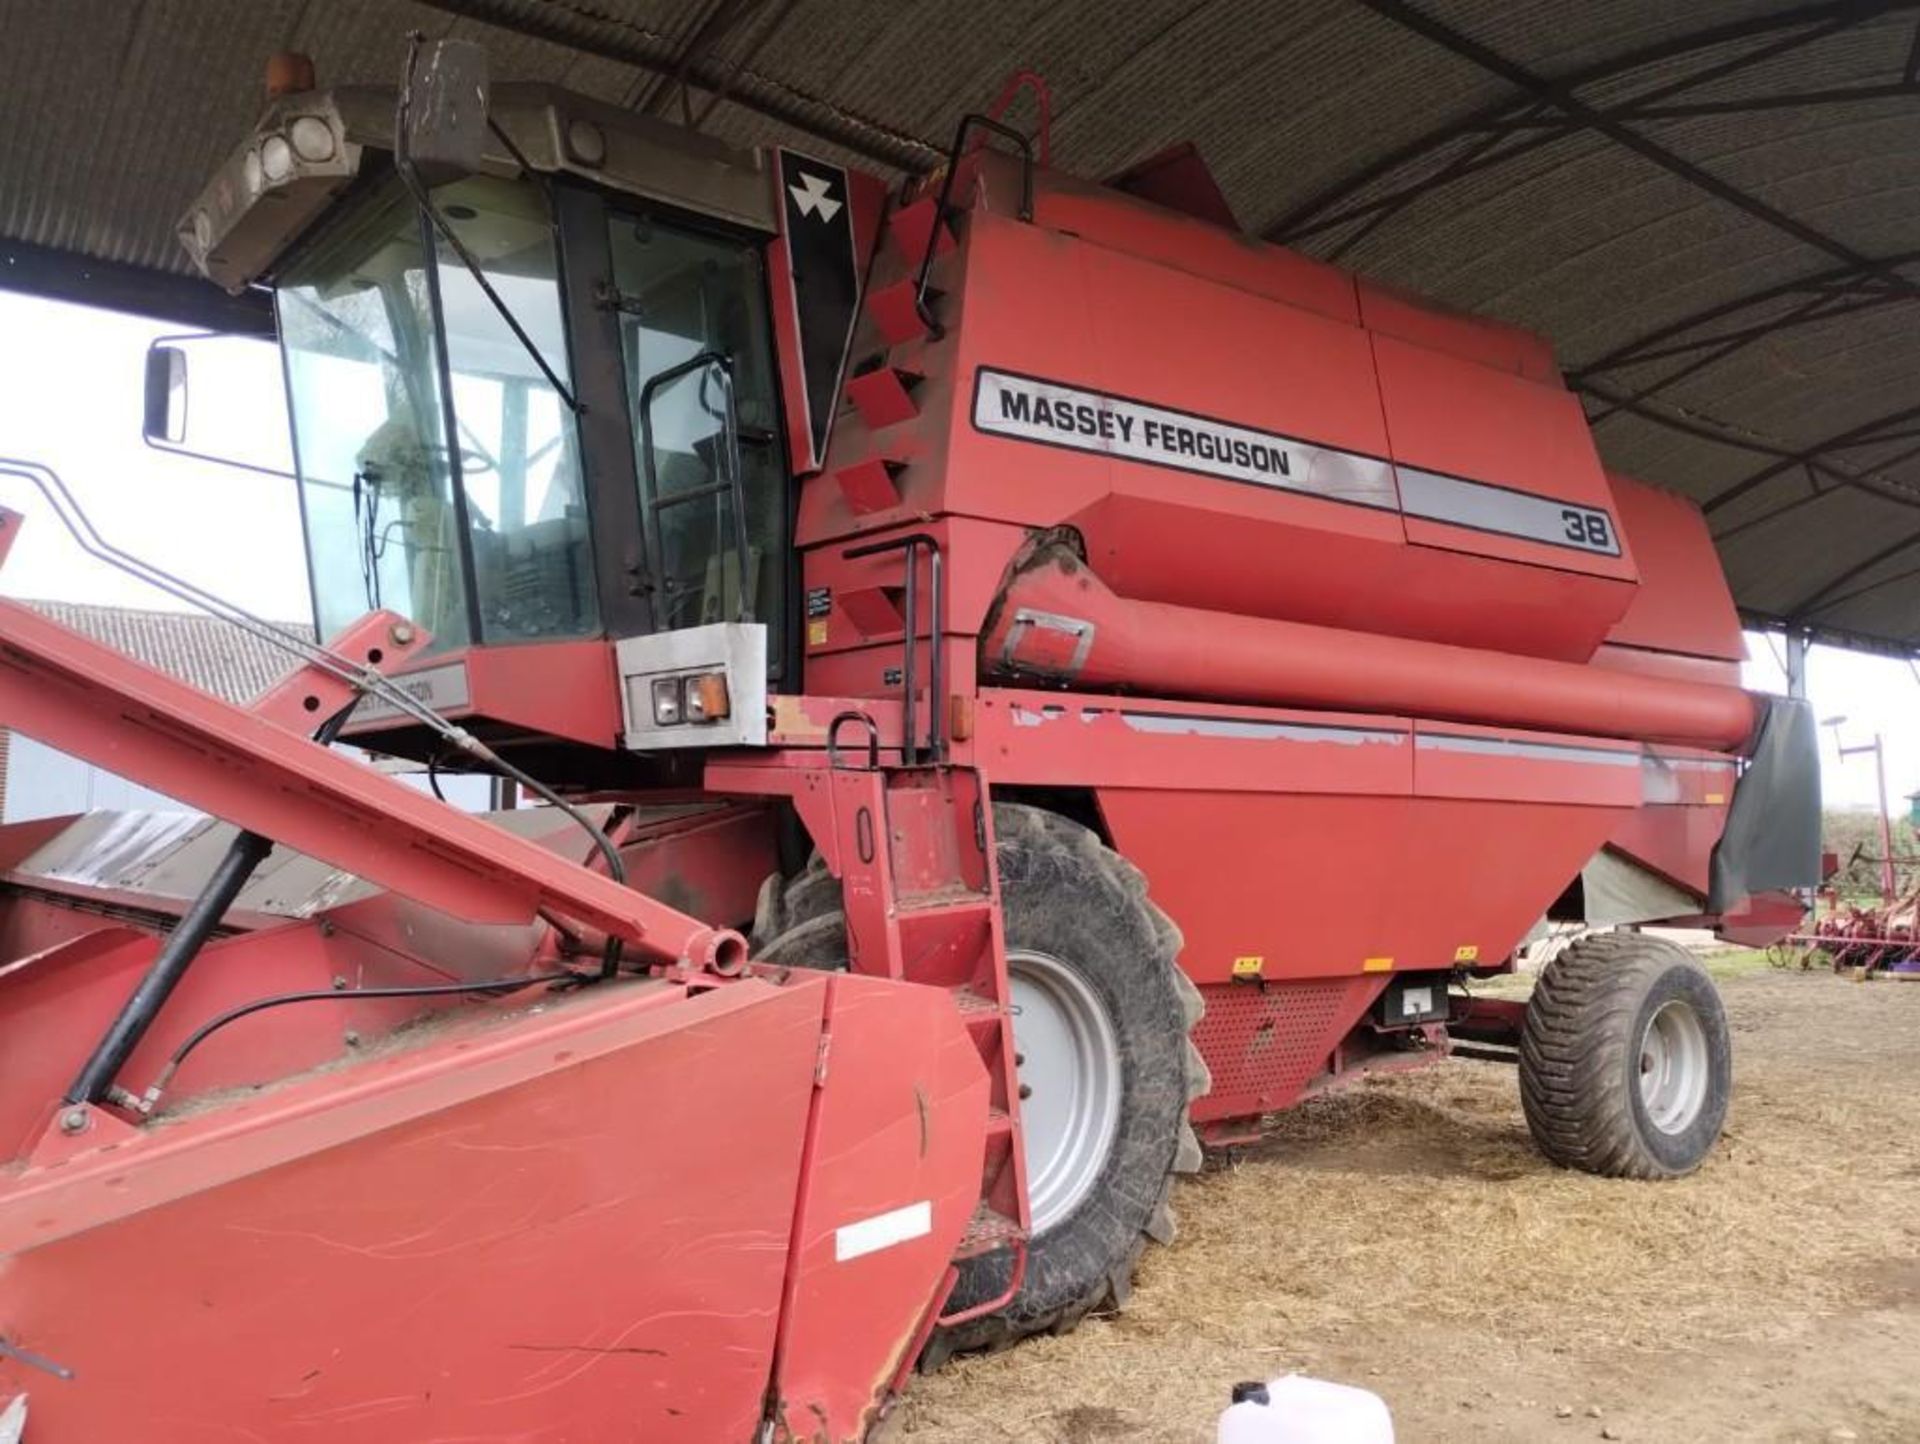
(1588, 529)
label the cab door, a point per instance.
(704, 409)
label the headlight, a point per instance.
(667, 704)
(312, 138)
(276, 158)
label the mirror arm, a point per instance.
(170, 449)
(422, 197)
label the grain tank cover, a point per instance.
(1226, 429)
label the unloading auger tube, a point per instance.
(1057, 621)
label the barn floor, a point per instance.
(1404, 1236)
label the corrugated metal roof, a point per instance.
(1713, 209)
(213, 655)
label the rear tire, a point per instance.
(1096, 961)
(1626, 1064)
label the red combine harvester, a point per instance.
(1022, 680)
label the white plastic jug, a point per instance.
(1299, 1410)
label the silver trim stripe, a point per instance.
(1050, 413)
(1181, 724)
(1537, 751)
(1545, 519)
(1657, 771)
(442, 688)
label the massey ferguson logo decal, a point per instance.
(1029, 409)
(1045, 411)
(813, 196)
(816, 229)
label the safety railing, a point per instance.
(944, 207)
(913, 544)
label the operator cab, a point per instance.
(536, 408)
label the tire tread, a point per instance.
(1573, 1053)
(811, 898)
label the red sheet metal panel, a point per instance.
(1036, 738)
(1159, 649)
(1503, 469)
(59, 1003)
(1264, 1043)
(1156, 234)
(1389, 311)
(573, 1226)
(1452, 759)
(1160, 364)
(1683, 604)
(892, 1175)
(1318, 886)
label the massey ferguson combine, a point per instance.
(1016, 680)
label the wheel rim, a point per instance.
(1070, 1082)
(1673, 1067)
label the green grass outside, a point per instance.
(1722, 964)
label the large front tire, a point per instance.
(1626, 1065)
(1101, 1023)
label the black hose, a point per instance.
(616, 869)
(242, 858)
(322, 995)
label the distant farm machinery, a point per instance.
(1850, 936)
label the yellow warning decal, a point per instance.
(1466, 953)
(1714, 799)
(1377, 965)
(1249, 967)
(816, 634)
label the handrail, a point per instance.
(731, 483)
(967, 123)
(873, 739)
(1043, 102)
(911, 544)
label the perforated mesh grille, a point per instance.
(1263, 1043)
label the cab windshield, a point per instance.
(411, 460)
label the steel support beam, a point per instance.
(1559, 93)
(1796, 664)
(1815, 600)
(1840, 600)
(1846, 278)
(1842, 13)
(609, 38)
(1745, 105)
(707, 34)
(1713, 350)
(1904, 648)
(1866, 431)
(161, 295)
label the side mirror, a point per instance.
(166, 418)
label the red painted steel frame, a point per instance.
(98, 704)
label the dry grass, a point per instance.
(1416, 1203)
